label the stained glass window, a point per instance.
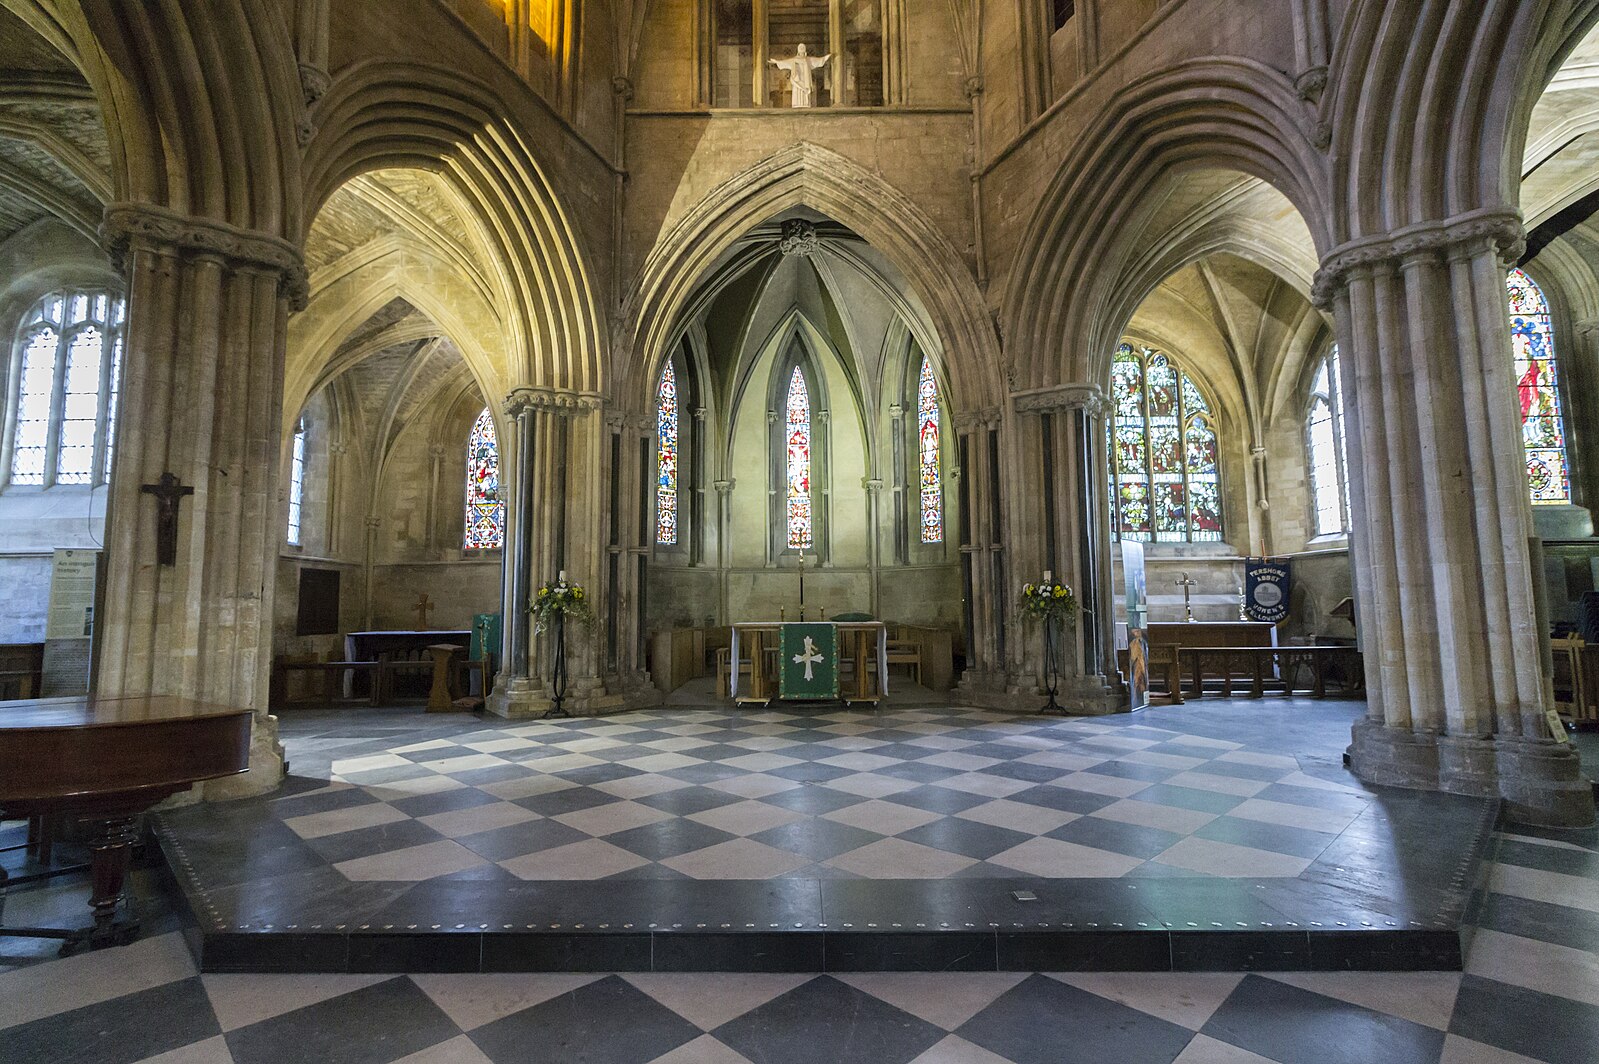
(1543, 429)
(1163, 452)
(1329, 467)
(485, 510)
(296, 482)
(666, 437)
(798, 470)
(927, 434)
(70, 348)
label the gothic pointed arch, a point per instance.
(1065, 299)
(955, 318)
(381, 114)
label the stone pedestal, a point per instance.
(1539, 780)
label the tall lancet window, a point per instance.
(485, 509)
(927, 435)
(1163, 452)
(797, 406)
(296, 482)
(1543, 429)
(1329, 465)
(69, 350)
(667, 456)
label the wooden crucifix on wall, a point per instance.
(168, 490)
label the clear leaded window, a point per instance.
(69, 351)
(485, 509)
(296, 482)
(1165, 483)
(797, 407)
(1543, 429)
(1329, 463)
(927, 435)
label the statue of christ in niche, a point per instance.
(801, 73)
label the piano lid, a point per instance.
(91, 711)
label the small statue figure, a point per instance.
(801, 72)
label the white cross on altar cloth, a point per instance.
(811, 658)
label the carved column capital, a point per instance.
(1076, 396)
(1463, 235)
(129, 226)
(556, 400)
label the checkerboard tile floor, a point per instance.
(904, 793)
(1530, 992)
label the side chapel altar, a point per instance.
(809, 656)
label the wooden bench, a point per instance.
(380, 674)
(1280, 667)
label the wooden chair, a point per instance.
(906, 652)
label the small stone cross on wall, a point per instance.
(423, 607)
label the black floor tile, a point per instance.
(326, 801)
(1295, 1026)
(1130, 839)
(570, 800)
(373, 1025)
(515, 840)
(364, 842)
(605, 1022)
(1063, 798)
(816, 838)
(827, 1020)
(1187, 798)
(443, 801)
(687, 800)
(1296, 842)
(968, 837)
(935, 799)
(1526, 1022)
(118, 1031)
(1559, 924)
(668, 838)
(1044, 1021)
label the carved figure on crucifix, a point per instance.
(167, 491)
(810, 658)
(423, 607)
(801, 70)
(1187, 585)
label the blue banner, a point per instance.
(1267, 583)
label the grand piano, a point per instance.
(103, 761)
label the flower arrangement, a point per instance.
(558, 598)
(1049, 599)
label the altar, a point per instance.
(809, 660)
(391, 647)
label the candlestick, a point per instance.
(561, 576)
(1049, 574)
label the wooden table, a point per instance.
(104, 761)
(860, 636)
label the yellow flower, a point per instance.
(1060, 592)
(1027, 589)
(577, 593)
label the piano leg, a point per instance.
(111, 853)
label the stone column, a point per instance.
(988, 679)
(557, 486)
(1071, 531)
(514, 685)
(1442, 520)
(202, 391)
